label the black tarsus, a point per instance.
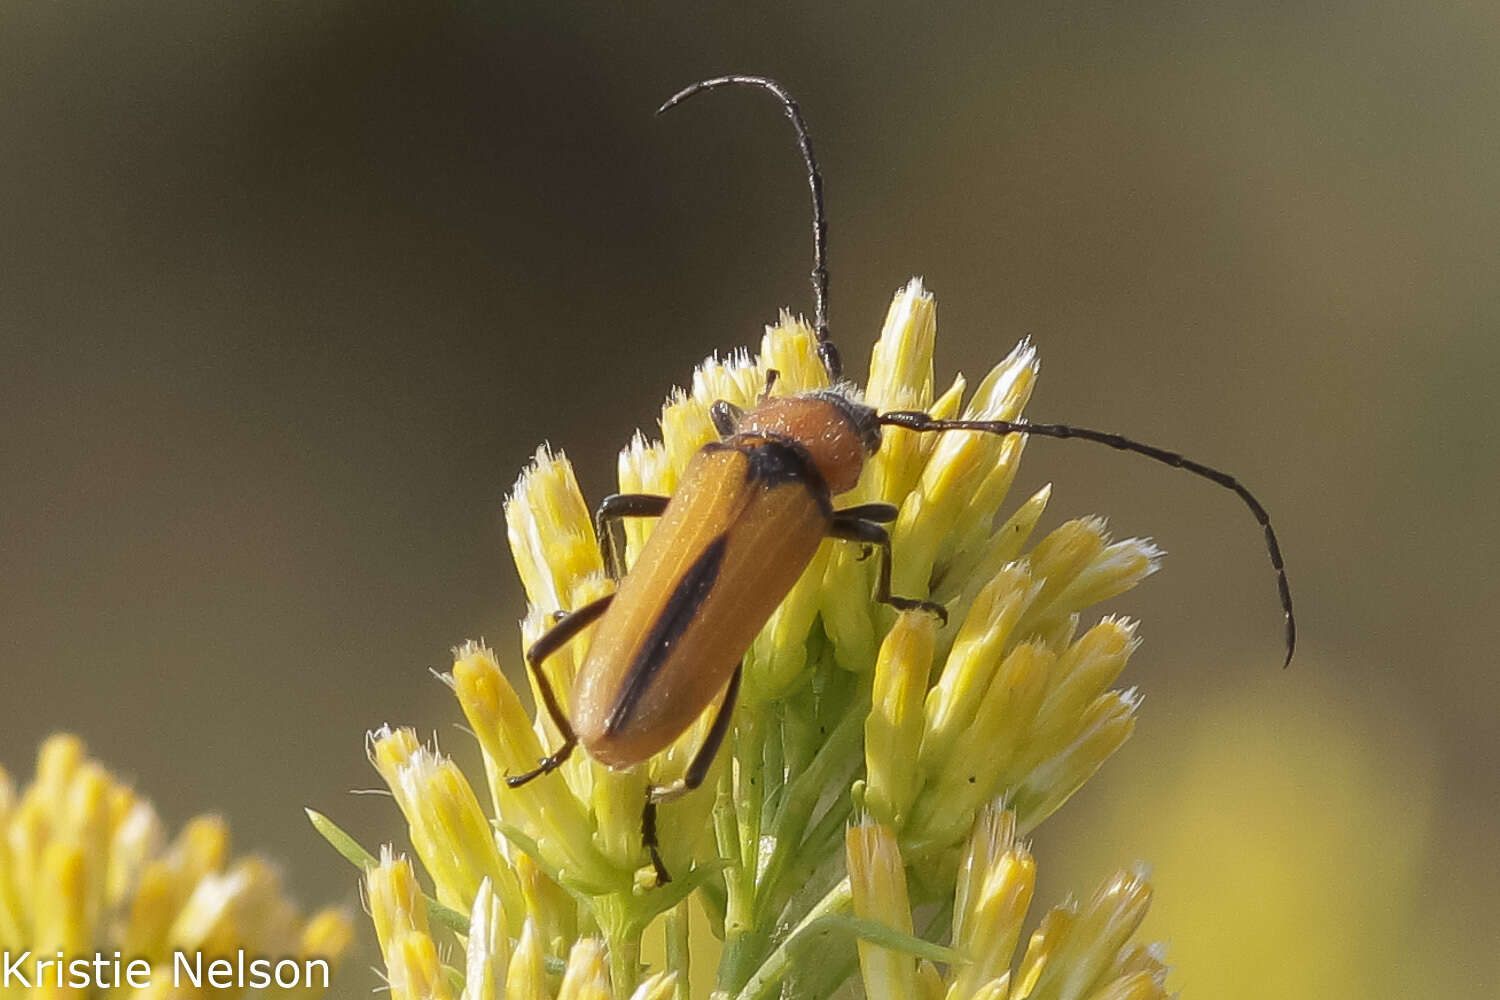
(826, 350)
(918, 421)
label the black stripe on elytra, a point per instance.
(692, 590)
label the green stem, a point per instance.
(789, 827)
(622, 937)
(624, 964)
(773, 757)
(746, 947)
(749, 796)
(809, 786)
(823, 841)
(677, 947)
(716, 895)
(744, 833)
(779, 962)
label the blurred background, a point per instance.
(290, 292)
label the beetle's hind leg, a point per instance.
(859, 524)
(569, 626)
(611, 509)
(696, 771)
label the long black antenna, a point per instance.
(917, 421)
(826, 350)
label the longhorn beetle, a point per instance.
(746, 520)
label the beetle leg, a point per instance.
(573, 623)
(650, 841)
(772, 377)
(611, 509)
(851, 528)
(726, 417)
(880, 513)
(697, 770)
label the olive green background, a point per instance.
(289, 293)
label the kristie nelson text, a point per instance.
(25, 970)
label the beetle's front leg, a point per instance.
(611, 509)
(570, 625)
(858, 524)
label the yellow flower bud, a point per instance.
(413, 969)
(901, 362)
(487, 949)
(448, 828)
(1058, 560)
(394, 899)
(586, 977)
(1135, 986)
(893, 730)
(791, 348)
(1098, 932)
(526, 979)
(986, 631)
(551, 532)
(662, 986)
(1107, 724)
(1085, 670)
(878, 880)
(995, 883)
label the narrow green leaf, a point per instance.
(879, 934)
(342, 842)
(364, 861)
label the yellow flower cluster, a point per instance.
(1040, 710)
(1078, 952)
(848, 710)
(86, 870)
(495, 966)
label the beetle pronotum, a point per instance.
(745, 522)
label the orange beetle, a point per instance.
(745, 522)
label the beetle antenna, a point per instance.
(826, 351)
(918, 421)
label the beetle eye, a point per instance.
(867, 422)
(864, 419)
(726, 417)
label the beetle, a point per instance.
(747, 518)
